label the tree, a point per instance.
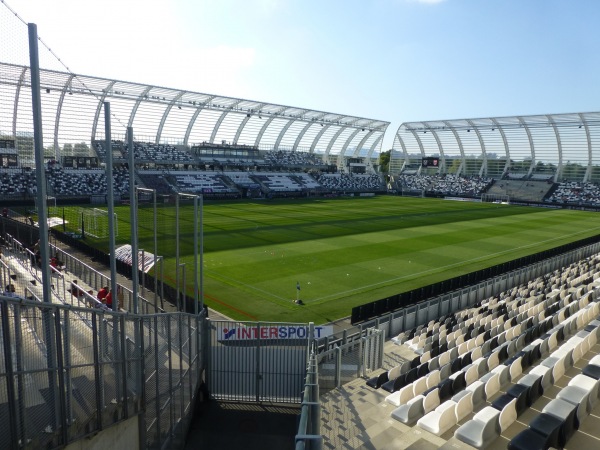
(384, 161)
(81, 149)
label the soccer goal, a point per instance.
(412, 193)
(495, 198)
(50, 205)
(94, 222)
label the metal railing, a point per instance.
(63, 374)
(309, 424)
(172, 373)
(357, 358)
(67, 372)
(87, 274)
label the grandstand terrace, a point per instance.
(451, 185)
(576, 193)
(85, 182)
(351, 182)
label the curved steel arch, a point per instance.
(419, 143)
(566, 136)
(220, 121)
(505, 141)
(340, 161)
(282, 132)
(560, 152)
(376, 143)
(483, 167)
(194, 117)
(305, 129)
(440, 148)
(347, 143)
(16, 102)
(588, 172)
(242, 125)
(267, 123)
(404, 151)
(165, 114)
(324, 128)
(141, 97)
(58, 111)
(531, 145)
(99, 108)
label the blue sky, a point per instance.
(394, 60)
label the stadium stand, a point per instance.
(156, 179)
(452, 185)
(159, 153)
(575, 192)
(351, 182)
(277, 183)
(208, 183)
(283, 158)
(521, 189)
(464, 379)
(80, 182)
(17, 182)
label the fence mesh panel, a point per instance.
(67, 372)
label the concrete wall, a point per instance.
(123, 435)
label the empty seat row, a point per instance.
(559, 419)
(487, 425)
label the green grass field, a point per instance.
(345, 252)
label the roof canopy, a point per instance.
(72, 113)
(567, 146)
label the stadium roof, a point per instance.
(72, 113)
(565, 146)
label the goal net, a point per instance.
(495, 198)
(412, 193)
(94, 222)
(50, 205)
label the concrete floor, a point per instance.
(230, 425)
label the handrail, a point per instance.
(88, 274)
(309, 436)
(100, 280)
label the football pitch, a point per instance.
(343, 252)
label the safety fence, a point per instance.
(69, 372)
(172, 374)
(309, 424)
(346, 362)
(86, 274)
(65, 372)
